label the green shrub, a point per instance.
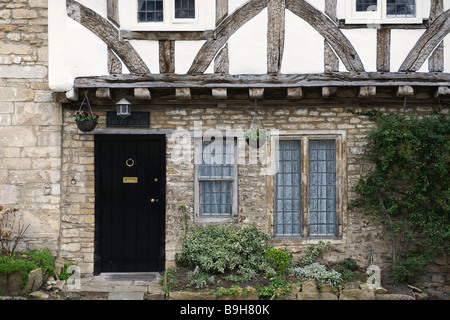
(346, 268)
(312, 252)
(279, 259)
(27, 261)
(217, 249)
(409, 189)
(319, 273)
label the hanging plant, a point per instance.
(255, 137)
(86, 121)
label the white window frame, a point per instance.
(379, 16)
(339, 137)
(197, 189)
(170, 23)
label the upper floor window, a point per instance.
(384, 11)
(153, 10)
(168, 15)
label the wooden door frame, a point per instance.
(124, 137)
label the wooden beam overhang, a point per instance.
(338, 79)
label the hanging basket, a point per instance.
(86, 125)
(85, 121)
(255, 138)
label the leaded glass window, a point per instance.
(322, 187)
(366, 5)
(287, 199)
(216, 178)
(400, 8)
(185, 9)
(150, 10)
(306, 207)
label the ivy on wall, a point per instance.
(409, 189)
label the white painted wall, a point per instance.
(303, 47)
(248, 47)
(365, 43)
(402, 41)
(74, 51)
(447, 53)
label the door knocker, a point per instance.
(129, 163)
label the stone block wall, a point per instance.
(30, 123)
(360, 233)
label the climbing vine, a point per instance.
(409, 189)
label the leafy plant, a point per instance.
(279, 259)
(346, 268)
(217, 249)
(256, 134)
(319, 273)
(84, 116)
(26, 262)
(312, 252)
(409, 189)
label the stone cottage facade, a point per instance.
(198, 74)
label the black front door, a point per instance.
(129, 203)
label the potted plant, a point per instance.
(86, 121)
(256, 137)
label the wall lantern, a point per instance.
(123, 108)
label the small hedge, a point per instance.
(217, 249)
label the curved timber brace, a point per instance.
(106, 31)
(429, 40)
(319, 21)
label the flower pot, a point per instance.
(86, 125)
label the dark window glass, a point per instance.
(184, 9)
(150, 10)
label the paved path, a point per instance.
(117, 287)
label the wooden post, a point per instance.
(166, 56)
(275, 34)
(384, 49)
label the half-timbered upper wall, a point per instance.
(89, 42)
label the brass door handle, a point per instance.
(154, 200)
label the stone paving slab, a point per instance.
(126, 296)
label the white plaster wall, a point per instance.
(234, 4)
(447, 53)
(446, 5)
(248, 47)
(185, 52)
(402, 41)
(73, 50)
(365, 43)
(149, 52)
(318, 4)
(303, 47)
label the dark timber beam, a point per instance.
(330, 31)
(337, 79)
(106, 31)
(427, 43)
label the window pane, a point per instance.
(150, 10)
(184, 9)
(366, 5)
(217, 160)
(401, 8)
(322, 187)
(287, 211)
(215, 198)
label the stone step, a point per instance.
(125, 295)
